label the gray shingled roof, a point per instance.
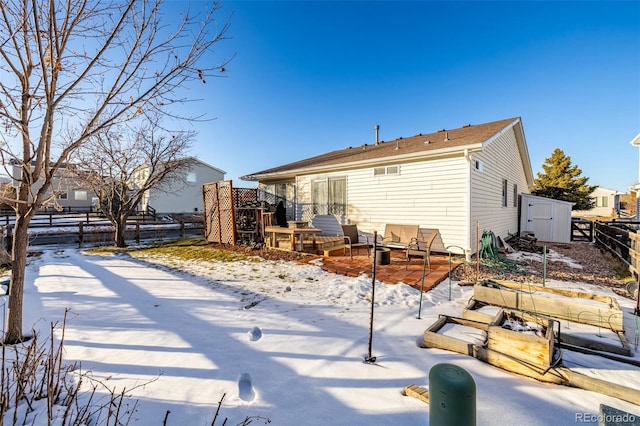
(444, 139)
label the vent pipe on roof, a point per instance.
(446, 136)
(377, 139)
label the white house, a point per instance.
(458, 181)
(607, 204)
(186, 195)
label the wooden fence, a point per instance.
(97, 233)
(237, 215)
(51, 217)
(622, 240)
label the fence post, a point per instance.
(80, 234)
(137, 232)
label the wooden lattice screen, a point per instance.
(219, 221)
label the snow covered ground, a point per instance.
(283, 341)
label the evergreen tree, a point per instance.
(563, 181)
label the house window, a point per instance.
(602, 201)
(191, 177)
(281, 190)
(386, 170)
(504, 193)
(62, 196)
(329, 196)
(478, 165)
(80, 195)
(276, 192)
(393, 170)
(515, 195)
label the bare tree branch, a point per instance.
(121, 165)
(73, 69)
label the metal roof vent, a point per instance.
(446, 136)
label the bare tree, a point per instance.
(123, 164)
(70, 70)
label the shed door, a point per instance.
(540, 220)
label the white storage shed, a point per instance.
(547, 219)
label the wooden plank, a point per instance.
(431, 338)
(515, 365)
(612, 356)
(593, 384)
(595, 345)
(470, 312)
(526, 347)
(418, 392)
(577, 341)
(560, 291)
(498, 295)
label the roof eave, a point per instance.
(290, 174)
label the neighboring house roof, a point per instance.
(603, 191)
(421, 146)
(194, 159)
(209, 165)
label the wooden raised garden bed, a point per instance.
(600, 311)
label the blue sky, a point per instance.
(310, 77)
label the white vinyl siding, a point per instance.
(501, 161)
(431, 194)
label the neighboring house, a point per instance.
(607, 204)
(185, 196)
(69, 192)
(457, 180)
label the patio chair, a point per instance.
(351, 232)
(421, 247)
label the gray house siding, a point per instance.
(185, 196)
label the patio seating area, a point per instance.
(403, 255)
(397, 271)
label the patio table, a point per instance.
(293, 233)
